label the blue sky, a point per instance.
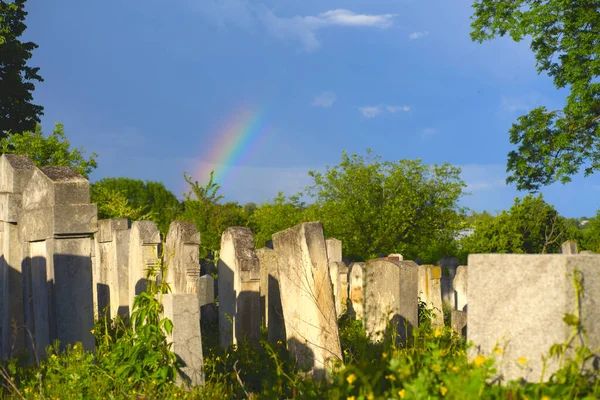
(148, 85)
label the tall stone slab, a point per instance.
(110, 263)
(334, 249)
(307, 297)
(356, 288)
(338, 273)
(144, 243)
(239, 287)
(518, 302)
(448, 265)
(459, 285)
(184, 311)
(270, 294)
(569, 247)
(390, 297)
(15, 172)
(430, 291)
(57, 223)
(182, 257)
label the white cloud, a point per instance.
(480, 177)
(521, 103)
(395, 109)
(299, 28)
(325, 99)
(428, 133)
(417, 35)
(370, 111)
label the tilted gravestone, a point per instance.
(15, 172)
(57, 222)
(307, 297)
(144, 243)
(518, 302)
(356, 288)
(239, 287)
(270, 294)
(390, 298)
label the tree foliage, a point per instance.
(17, 112)
(552, 144)
(531, 226)
(53, 150)
(387, 207)
(136, 199)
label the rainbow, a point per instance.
(234, 143)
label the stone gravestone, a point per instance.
(181, 257)
(111, 244)
(57, 223)
(184, 311)
(518, 302)
(270, 295)
(356, 288)
(569, 247)
(390, 297)
(448, 265)
(343, 288)
(15, 172)
(144, 243)
(308, 301)
(430, 292)
(459, 322)
(396, 256)
(459, 285)
(206, 300)
(239, 287)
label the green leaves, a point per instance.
(552, 145)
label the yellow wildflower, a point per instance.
(92, 331)
(479, 360)
(370, 396)
(218, 359)
(455, 368)
(437, 332)
(351, 378)
(522, 360)
(443, 352)
(129, 379)
(390, 377)
(402, 393)
(545, 398)
(385, 355)
(443, 391)
(279, 342)
(27, 390)
(436, 368)
(350, 398)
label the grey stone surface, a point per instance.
(307, 297)
(396, 256)
(459, 284)
(144, 242)
(334, 250)
(390, 296)
(183, 310)
(569, 247)
(182, 256)
(270, 294)
(239, 287)
(518, 303)
(356, 288)
(343, 287)
(448, 265)
(459, 322)
(206, 290)
(430, 292)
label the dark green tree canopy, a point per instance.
(17, 112)
(552, 145)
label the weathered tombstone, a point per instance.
(15, 172)
(144, 242)
(308, 301)
(569, 247)
(57, 222)
(181, 256)
(356, 288)
(111, 247)
(270, 295)
(239, 287)
(206, 299)
(390, 297)
(396, 256)
(518, 302)
(459, 322)
(448, 265)
(459, 285)
(430, 292)
(334, 249)
(586, 252)
(184, 311)
(343, 288)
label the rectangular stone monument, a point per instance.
(569, 247)
(15, 172)
(307, 297)
(459, 322)
(239, 287)
(459, 285)
(144, 242)
(182, 257)
(448, 265)
(390, 298)
(269, 289)
(430, 292)
(183, 310)
(518, 302)
(57, 223)
(356, 288)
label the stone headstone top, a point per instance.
(15, 172)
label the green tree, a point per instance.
(386, 207)
(202, 206)
(53, 150)
(272, 217)
(17, 112)
(531, 226)
(136, 199)
(552, 144)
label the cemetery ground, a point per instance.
(132, 360)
